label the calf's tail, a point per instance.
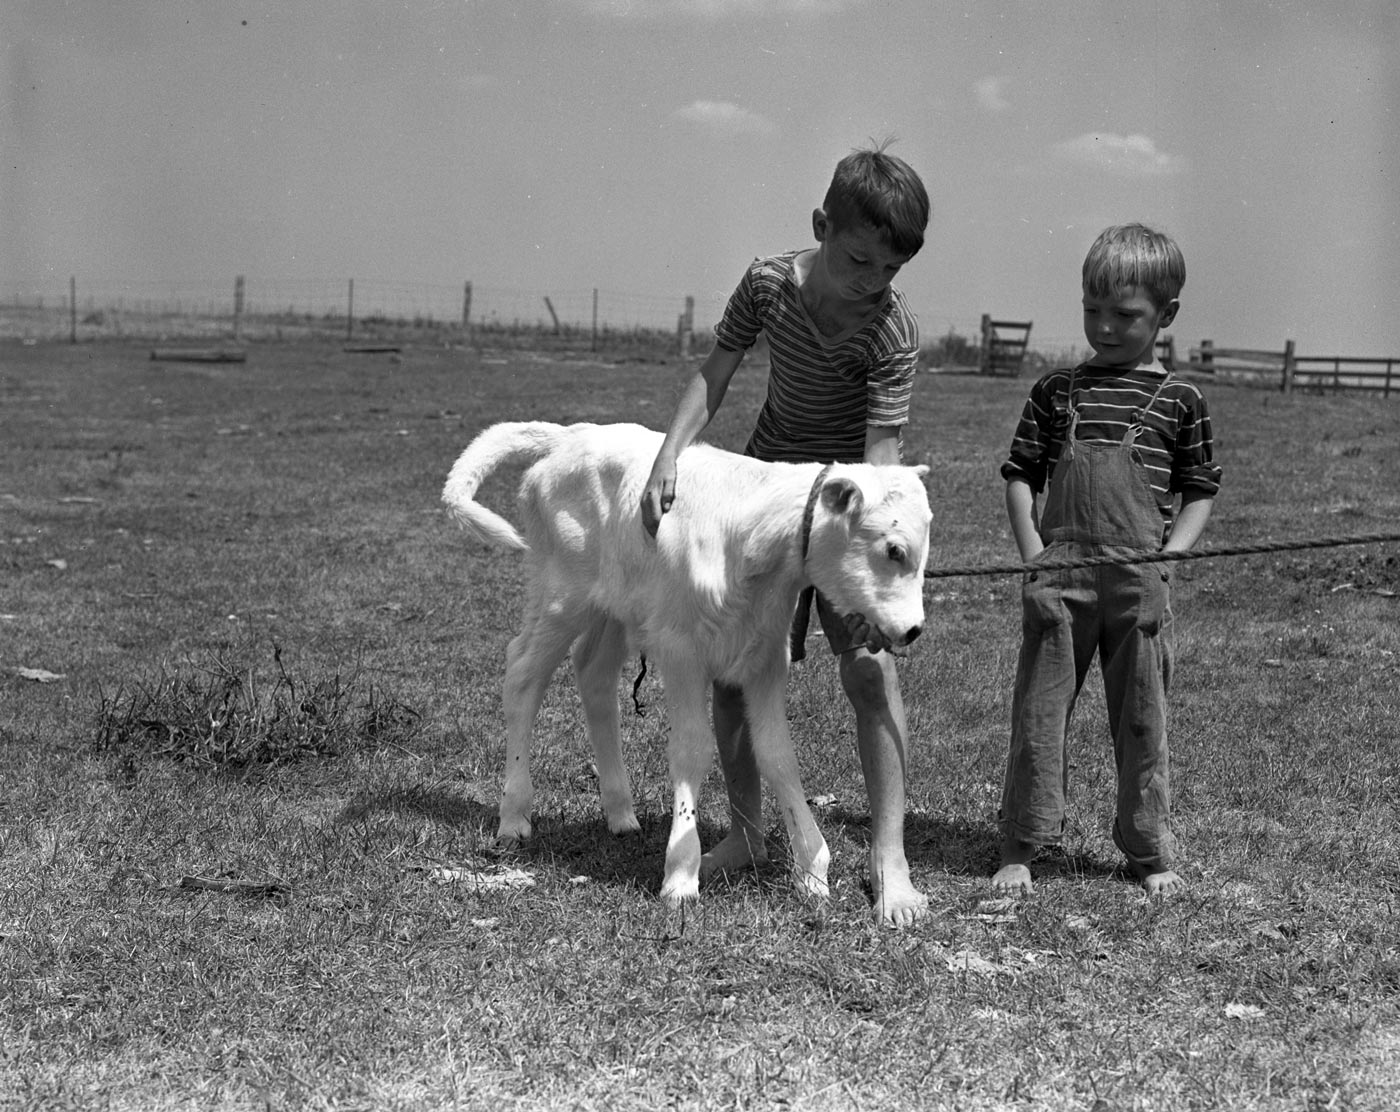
(497, 446)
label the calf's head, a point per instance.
(869, 546)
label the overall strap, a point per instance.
(1143, 412)
(1073, 409)
(1140, 415)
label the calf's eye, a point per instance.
(896, 553)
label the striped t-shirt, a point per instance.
(1175, 445)
(822, 390)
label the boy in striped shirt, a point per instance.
(1118, 440)
(843, 345)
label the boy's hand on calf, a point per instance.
(660, 492)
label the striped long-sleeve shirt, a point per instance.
(1175, 446)
(822, 390)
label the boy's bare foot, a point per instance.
(897, 902)
(1014, 876)
(1165, 883)
(735, 853)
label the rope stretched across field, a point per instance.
(1119, 558)
(1157, 557)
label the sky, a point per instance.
(652, 148)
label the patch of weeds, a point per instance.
(223, 713)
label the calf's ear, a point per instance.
(921, 470)
(842, 496)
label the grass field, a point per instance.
(167, 526)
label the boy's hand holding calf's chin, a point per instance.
(863, 634)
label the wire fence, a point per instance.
(78, 309)
(255, 308)
(258, 308)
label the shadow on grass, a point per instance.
(422, 801)
(577, 845)
(954, 848)
(1057, 862)
(585, 846)
(961, 848)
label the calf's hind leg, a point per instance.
(598, 656)
(533, 655)
(744, 846)
(772, 742)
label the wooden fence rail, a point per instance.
(1342, 373)
(1290, 371)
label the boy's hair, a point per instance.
(878, 189)
(1135, 255)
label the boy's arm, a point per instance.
(1026, 468)
(882, 445)
(1196, 473)
(1189, 524)
(697, 406)
(1020, 512)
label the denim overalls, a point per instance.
(1099, 502)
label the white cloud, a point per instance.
(991, 94)
(1130, 155)
(724, 118)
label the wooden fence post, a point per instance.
(984, 355)
(350, 311)
(237, 307)
(553, 315)
(686, 338)
(593, 338)
(1208, 356)
(1289, 366)
(467, 309)
(72, 309)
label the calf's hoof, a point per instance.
(680, 890)
(811, 885)
(811, 877)
(512, 832)
(624, 824)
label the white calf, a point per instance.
(710, 598)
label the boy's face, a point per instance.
(855, 263)
(1122, 327)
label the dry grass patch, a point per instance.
(226, 712)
